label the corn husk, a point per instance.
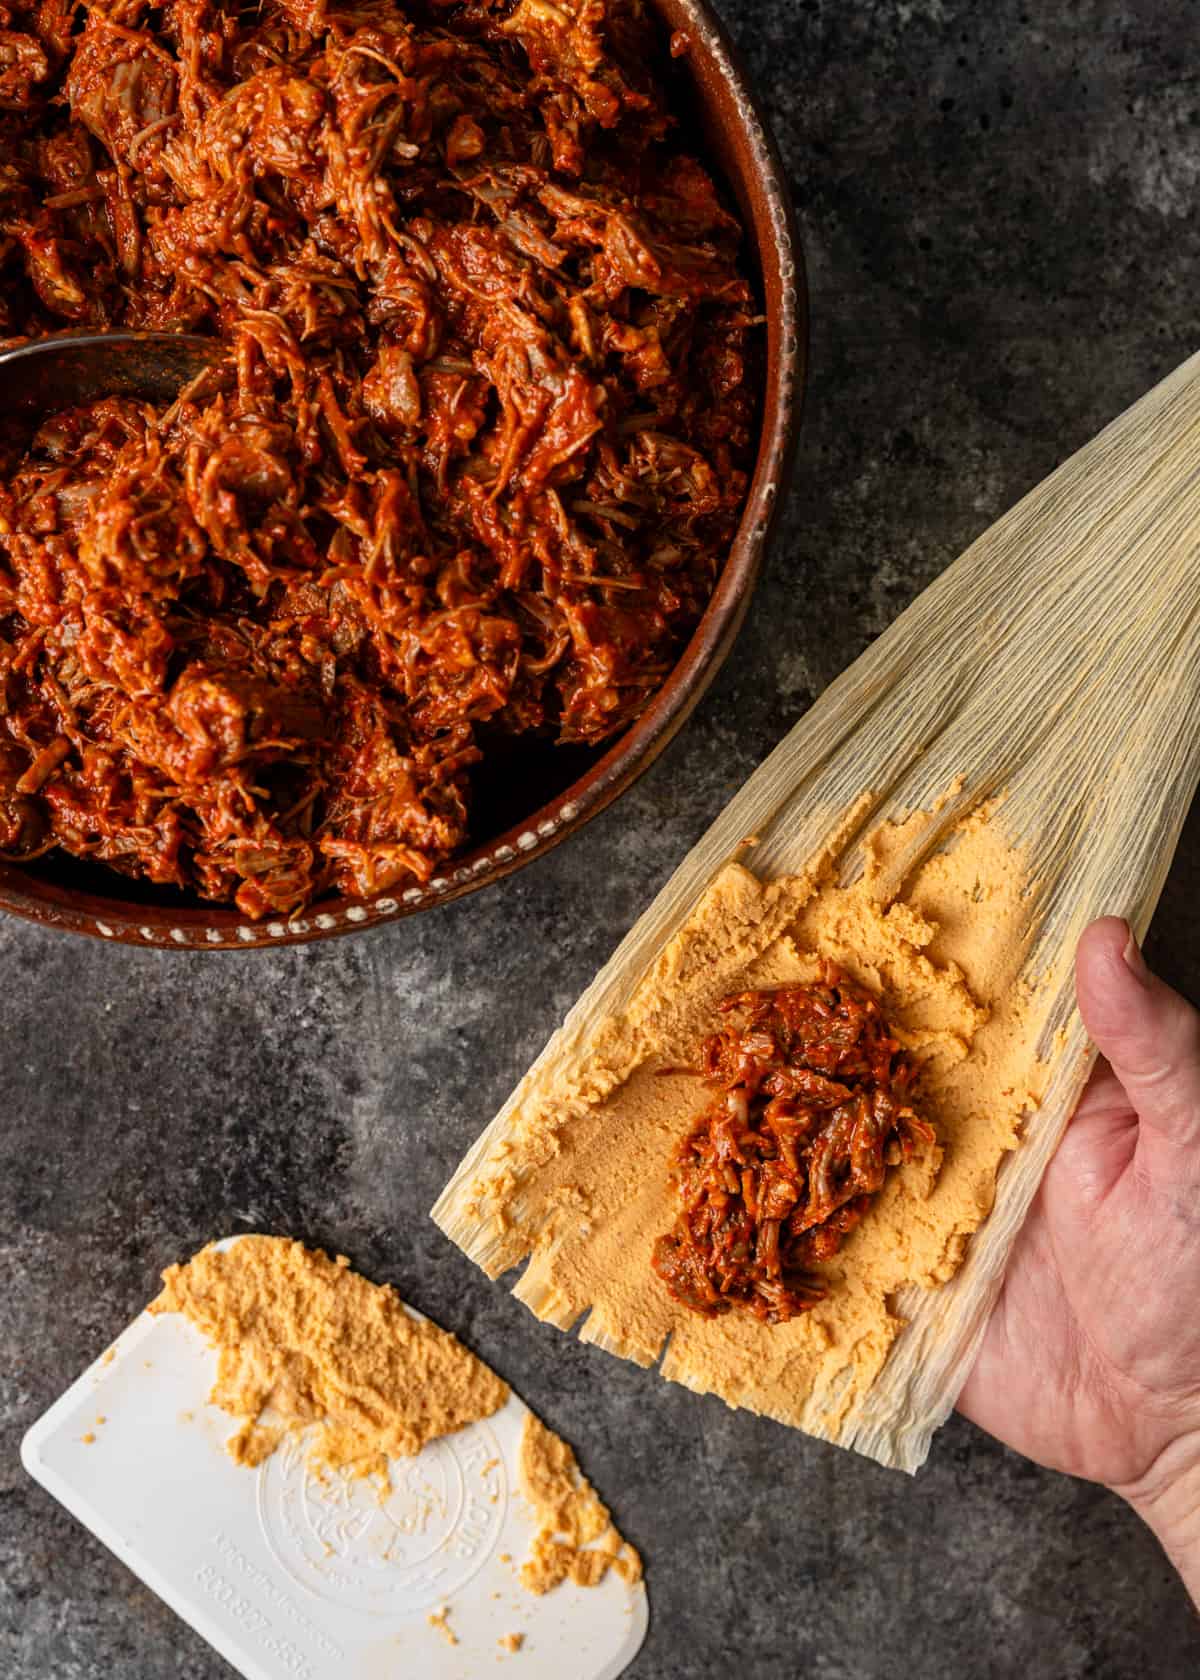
(1055, 663)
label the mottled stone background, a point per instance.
(999, 213)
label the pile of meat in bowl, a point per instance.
(464, 480)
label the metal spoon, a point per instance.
(63, 369)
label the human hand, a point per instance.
(1091, 1359)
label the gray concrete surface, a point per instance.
(1001, 221)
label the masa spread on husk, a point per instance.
(936, 927)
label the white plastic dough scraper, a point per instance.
(295, 1575)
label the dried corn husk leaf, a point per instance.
(1053, 669)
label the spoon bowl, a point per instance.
(64, 369)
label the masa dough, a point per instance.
(305, 1343)
(302, 1340)
(569, 1517)
(937, 928)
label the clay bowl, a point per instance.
(531, 798)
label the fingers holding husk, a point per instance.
(1150, 1036)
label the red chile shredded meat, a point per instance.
(813, 1108)
(476, 465)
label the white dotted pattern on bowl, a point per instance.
(354, 915)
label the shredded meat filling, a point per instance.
(812, 1107)
(475, 462)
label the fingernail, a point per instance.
(1134, 958)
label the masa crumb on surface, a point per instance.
(440, 1619)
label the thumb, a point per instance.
(1149, 1035)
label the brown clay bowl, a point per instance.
(534, 797)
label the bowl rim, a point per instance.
(770, 217)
